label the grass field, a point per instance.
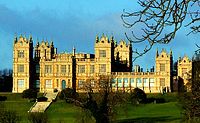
(16, 103)
(61, 112)
(165, 112)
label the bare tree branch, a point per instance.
(160, 21)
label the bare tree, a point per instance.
(100, 103)
(160, 21)
(190, 100)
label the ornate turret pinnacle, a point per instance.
(97, 38)
(171, 52)
(30, 39)
(51, 44)
(179, 58)
(157, 54)
(74, 51)
(15, 38)
(20, 36)
(111, 39)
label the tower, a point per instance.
(164, 64)
(185, 70)
(22, 60)
(44, 50)
(123, 56)
(104, 54)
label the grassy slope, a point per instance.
(67, 113)
(165, 112)
(60, 111)
(17, 103)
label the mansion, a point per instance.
(40, 66)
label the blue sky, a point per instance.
(75, 23)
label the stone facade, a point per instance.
(184, 67)
(47, 70)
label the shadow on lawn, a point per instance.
(148, 120)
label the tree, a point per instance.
(29, 93)
(160, 20)
(6, 80)
(68, 93)
(190, 101)
(137, 96)
(100, 105)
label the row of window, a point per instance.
(120, 83)
(63, 68)
(48, 83)
(102, 68)
(81, 68)
(102, 53)
(147, 82)
(124, 82)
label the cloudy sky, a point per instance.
(75, 23)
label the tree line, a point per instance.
(6, 80)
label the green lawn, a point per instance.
(165, 112)
(61, 112)
(16, 103)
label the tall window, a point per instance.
(63, 68)
(126, 82)
(102, 68)
(139, 82)
(162, 81)
(20, 83)
(37, 68)
(37, 83)
(132, 82)
(113, 82)
(81, 68)
(20, 68)
(102, 53)
(120, 84)
(80, 83)
(145, 80)
(57, 68)
(91, 68)
(48, 69)
(21, 54)
(162, 67)
(151, 82)
(48, 83)
(69, 69)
